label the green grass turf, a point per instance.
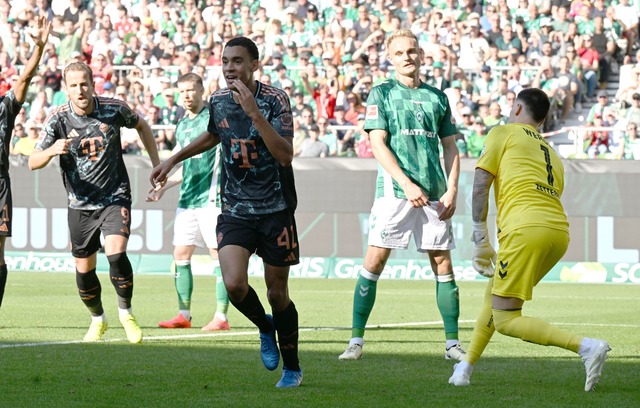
(403, 364)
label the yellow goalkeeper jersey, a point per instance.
(529, 178)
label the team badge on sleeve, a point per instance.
(287, 119)
(372, 112)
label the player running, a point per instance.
(85, 134)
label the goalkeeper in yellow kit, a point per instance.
(533, 232)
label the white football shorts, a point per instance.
(196, 226)
(393, 221)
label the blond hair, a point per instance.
(403, 32)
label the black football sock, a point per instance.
(286, 323)
(253, 310)
(121, 275)
(90, 291)
(3, 281)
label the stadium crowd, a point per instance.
(327, 55)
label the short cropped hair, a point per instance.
(247, 43)
(193, 78)
(77, 66)
(536, 102)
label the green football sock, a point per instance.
(363, 300)
(184, 284)
(449, 304)
(222, 297)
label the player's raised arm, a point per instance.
(203, 143)
(39, 37)
(280, 147)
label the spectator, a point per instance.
(363, 143)
(145, 58)
(7, 68)
(280, 77)
(102, 71)
(484, 87)
(506, 103)
(606, 48)
(568, 87)
(474, 49)
(327, 136)
(589, 58)
(311, 146)
(355, 107)
(597, 140)
(632, 113)
(437, 79)
(345, 137)
(627, 16)
(561, 20)
(25, 145)
(170, 114)
(507, 43)
(630, 144)
(494, 118)
(18, 133)
(599, 108)
(73, 12)
(325, 101)
(299, 106)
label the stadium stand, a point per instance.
(480, 54)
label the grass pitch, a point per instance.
(43, 363)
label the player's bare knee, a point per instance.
(237, 290)
(278, 297)
(441, 262)
(374, 265)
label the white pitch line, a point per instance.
(253, 333)
(221, 334)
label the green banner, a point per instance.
(328, 267)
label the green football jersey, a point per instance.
(200, 173)
(415, 120)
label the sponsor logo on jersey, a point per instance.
(372, 112)
(417, 132)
